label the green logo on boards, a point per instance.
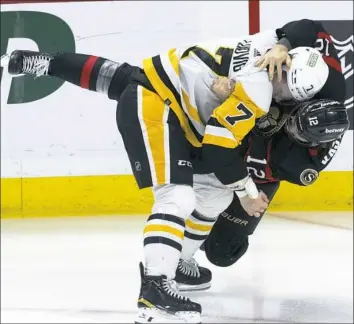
(50, 33)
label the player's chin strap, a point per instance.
(272, 122)
(244, 187)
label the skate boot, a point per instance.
(191, 277)
(160, 302)
(29, 62)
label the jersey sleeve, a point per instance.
(230, 123)
(311, 33)
(303, 165)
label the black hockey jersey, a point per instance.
(278, 158)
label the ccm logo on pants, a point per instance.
(185, 163)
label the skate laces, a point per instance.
(170, 286)
(37, 65)
(189, 268)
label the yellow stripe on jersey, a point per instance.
(162, 84)
(192, 111)
(164, 228)
(219, 136)
(237, 114)
(174, 60)
(219, 141)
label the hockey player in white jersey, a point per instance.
(167, 114)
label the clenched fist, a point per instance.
(223, 87)
(255, 207)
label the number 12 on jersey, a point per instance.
(246, 114)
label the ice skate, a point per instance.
(160, 302)
(191, 277)
(29, 62)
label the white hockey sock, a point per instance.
(164, 229)
(196, 232)
(163, 236)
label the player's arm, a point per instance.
(229, 124)
(311, 33)
(305, 32)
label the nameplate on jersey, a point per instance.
(240, 56)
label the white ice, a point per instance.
(85, 270)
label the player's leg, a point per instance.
(212, 198)
(228, 240)
(155, 143)
(86, 71)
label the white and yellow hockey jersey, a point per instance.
(183, 78)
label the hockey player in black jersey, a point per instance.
(280, 148)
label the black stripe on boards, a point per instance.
(165, 79)
(202, 218)
(167, 217)
(162, 240)
(221, 69)
(129, 127)
(95, 72)
(195, 237)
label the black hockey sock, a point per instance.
(86, 71)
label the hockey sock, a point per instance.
(86, 71)
(197, 230)
(163, 237)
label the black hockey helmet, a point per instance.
(317, 122)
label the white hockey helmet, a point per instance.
(308, 73)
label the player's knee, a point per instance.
(178, 200)
(212, 197)
(225, 254)
(213, 206)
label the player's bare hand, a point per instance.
(223, 87)
(255, 207)
(275, 58)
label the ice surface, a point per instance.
(85, 270)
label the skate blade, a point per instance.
(154, 315)
(201, 287)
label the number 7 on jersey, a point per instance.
(246, 114)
